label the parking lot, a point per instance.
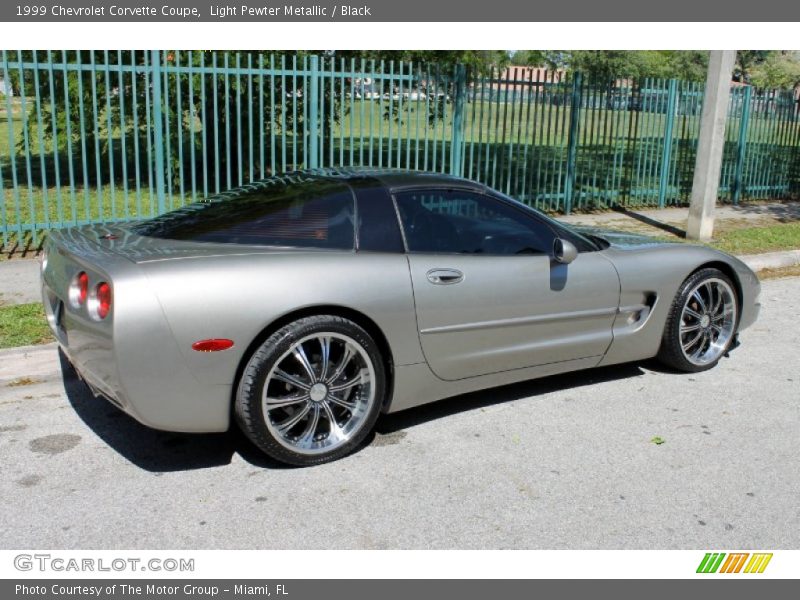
(564, 462)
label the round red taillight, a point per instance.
(79, 289)
(102, 296)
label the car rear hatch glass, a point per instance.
(310, 213)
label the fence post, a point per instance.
(572, 144)
(158, 131)
(741, 148)
(666, 155)
(457, 136)
(313, 115)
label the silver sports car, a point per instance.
(303, 306)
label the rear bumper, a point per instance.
(89, 351)
(134, 363)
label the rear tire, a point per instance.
(312, 391)
(701, 324)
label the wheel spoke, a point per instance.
(696, 354)
(699, 299)
(357, 380)
(692, 313)
(273, 403)
(325, 345)
(301, 357)
(308, 433)
(335, 430)
(710, 291)
(284, 426)
(721, 315)
(340, 368)
(349, 405)
(290, 379)
(688, 328)
(693, 341)
(718, 304)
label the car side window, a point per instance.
(462, 222)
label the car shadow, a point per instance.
(782, 212)
(162, 452)
(676, 231)
(391, 423)
(150, 449)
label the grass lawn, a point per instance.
(23, 325)
(755, 240)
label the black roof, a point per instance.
(393, 178)
(390, 178)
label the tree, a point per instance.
(605, 65)
(746, 60)
(550, 59)
(777, 70)
(480, 61)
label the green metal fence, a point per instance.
(117, 135)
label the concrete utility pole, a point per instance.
(710, 145)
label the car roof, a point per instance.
(390, 178)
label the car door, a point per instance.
(489, 297)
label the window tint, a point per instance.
(314, 213)
(378, 229)
(463, 222)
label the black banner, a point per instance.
(403, 589)
(394, 11)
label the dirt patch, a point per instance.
(793, 271)
(54, 444)
(21, 381)
(30, 481)
(6, 428)
(388, 439)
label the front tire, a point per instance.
(312, 391)
(701, 323)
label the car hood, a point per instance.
(624, 239)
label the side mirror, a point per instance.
(564, 251)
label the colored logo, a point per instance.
(735, 562)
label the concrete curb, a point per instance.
(19, 281)
(771, 260)
(37, 360)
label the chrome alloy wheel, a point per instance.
(708, 321)
(318, 394)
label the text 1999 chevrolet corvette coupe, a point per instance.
(303, 306)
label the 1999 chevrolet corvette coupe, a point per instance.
(303, 306)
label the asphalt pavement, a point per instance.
(562, 462)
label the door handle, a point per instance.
(445, 276)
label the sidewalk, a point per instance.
(19, 278)
(654, 221)
(19, 281)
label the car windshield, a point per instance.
(309, 213)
